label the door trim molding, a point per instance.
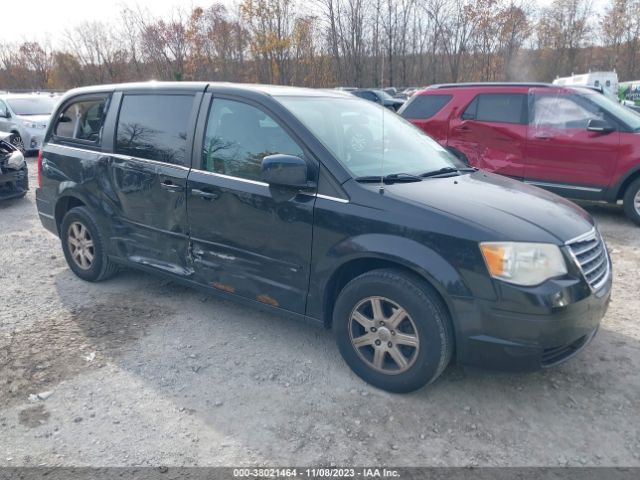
(563, 186)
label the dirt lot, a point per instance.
(145, 372)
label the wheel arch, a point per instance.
(624, 183)
(355, 267)
(63, 205)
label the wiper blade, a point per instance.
(447, 171)
(391, 178)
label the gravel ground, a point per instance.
(139, 371)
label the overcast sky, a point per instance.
(42, 19)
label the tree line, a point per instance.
(327, 43)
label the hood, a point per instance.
(42, 119)
(512, 210)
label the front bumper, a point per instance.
(13, 183)
(537, 335)
(32, 138)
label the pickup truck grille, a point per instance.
(591, 255)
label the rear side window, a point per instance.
(154, 127)
(82, 121)
(498, 108)
(422, 107)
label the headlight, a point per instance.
(16, 161)
(523, 263)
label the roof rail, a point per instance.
(493, 84)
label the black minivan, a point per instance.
(329, 208)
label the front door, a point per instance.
(248, 238)
(562, 155)
(148, 179)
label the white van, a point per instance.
(608, 81)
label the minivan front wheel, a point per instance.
(631, 201)
(83, 246)
(393, 330)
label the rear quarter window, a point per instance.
(81, 121)
(425, 106)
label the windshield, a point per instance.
(617, 110)
(355, 132)
(384, 95)
(31, 105)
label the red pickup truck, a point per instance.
(573, 141)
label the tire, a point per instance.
(426, 325)
(16, 140)
(80, 229)
(631, 201)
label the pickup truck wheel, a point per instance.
(393, 330)
(632, 201)
(83, 246)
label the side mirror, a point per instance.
(284, 171)
(600, 126)
(64, 119)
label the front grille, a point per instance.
(590, 253)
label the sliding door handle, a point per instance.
(205, 194)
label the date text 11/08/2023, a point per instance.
(332, 472)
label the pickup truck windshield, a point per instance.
(359, 133)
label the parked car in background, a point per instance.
(379, 96)
(607, 82)
(391, 91)
(254, 193)
(26, 117)
(14, 178)
(635, 108)
(572, 141)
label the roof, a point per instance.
(494, 84)
(273, 90)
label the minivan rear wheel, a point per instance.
(632, 201)
(83, 246)
(393, 330)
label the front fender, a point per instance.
(405, 252)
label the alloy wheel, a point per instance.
(636, 202)
(80, 245)
(16, 141)
(384, 335)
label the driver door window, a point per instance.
(562, 112)
(239, 136)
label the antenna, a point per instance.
(382, 159)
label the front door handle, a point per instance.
(543, 136)
(172, 187)
(205, 194)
